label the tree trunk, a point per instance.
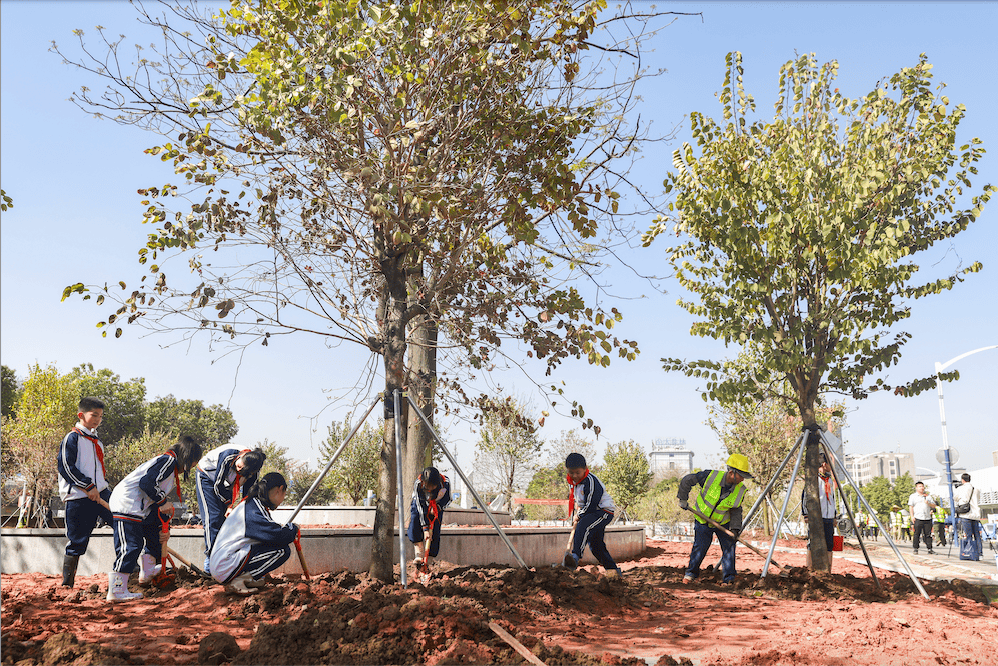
(394, 358)
(422, 384)
(816, 532)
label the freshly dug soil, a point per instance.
(561, 616)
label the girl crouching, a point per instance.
(250, 544)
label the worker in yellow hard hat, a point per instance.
(720, 499)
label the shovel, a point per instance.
(571, 540)
(731, 534)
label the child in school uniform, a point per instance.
(224, 476)
(250, 543)
(430, 494)
(82, 484)
(595, 510)
(136, 505)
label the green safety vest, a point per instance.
(905, 519)
(939, 514)
(710, 504)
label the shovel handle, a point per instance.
(183, 561)
(301, 557)
(731, 534)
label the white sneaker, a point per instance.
(149, 568)
(241, 585)
(117, 587)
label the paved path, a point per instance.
(944, 565)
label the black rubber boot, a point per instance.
(69, 564)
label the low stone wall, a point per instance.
(41, 550)
(364, 515)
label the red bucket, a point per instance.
(836, 543)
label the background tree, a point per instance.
(391, 167)
(323, 495)
(47, 411)
(570, 441)
(800, 234)
(356, 470)
(547, 483)
(659, 505)
(879, 493)
(124, 402)
(626, 473)
(8, 391)
(211, 426)
(506, 452)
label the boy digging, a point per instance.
(595, 512)
(82, 484)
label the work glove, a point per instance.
(736, 532)
(684, 505)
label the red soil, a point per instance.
(564, 617)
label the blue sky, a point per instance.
(76, 219)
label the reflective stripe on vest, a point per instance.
(710, 504)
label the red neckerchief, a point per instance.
(432, 507)
(571, 491)
(176, 473)
(98, 449)
(828, 486)
(235, 484)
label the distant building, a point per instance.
(670, 455)
(864, 468)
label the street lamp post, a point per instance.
(942, 417)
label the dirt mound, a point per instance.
(353, 619)
(562, 616)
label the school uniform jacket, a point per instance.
(249, 523)
(591, 496)
(79, 465)
(144, 489)
(219, 465)
(422, 505)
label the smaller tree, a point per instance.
(547, 483)
(625, 472)
(570, 441)
(505, 458)
(356, 470)
(47, 411)
(9, 392)
(880, 495)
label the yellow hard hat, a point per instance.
(739, 463)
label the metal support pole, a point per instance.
(765, 492)
(329, 465)
(835, 477)
(890, 541)
(467, 483)
(786, 500)
(398, 481)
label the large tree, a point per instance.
(384, 169)
(799, 234)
